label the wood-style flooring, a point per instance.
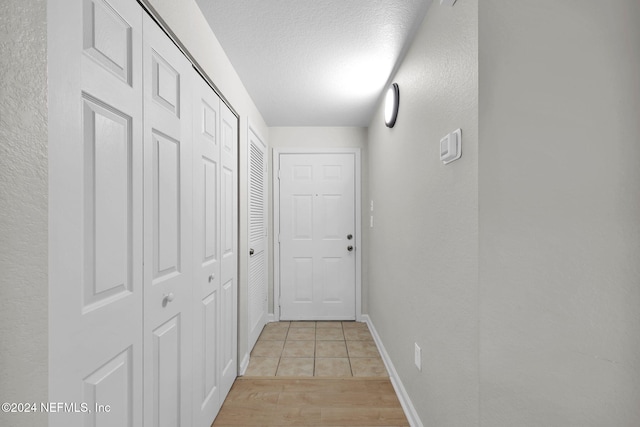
(283, 401)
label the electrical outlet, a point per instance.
(417, 357)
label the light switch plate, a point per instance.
(417, 357)
(451, 147)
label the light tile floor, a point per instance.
(320, 349)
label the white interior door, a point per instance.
(317, 228)
(124, 281)
(257, 304)
(95, 159)
(229, 248)
(206, 249)
(168, 262)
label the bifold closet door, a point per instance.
(215, 251)
(95, 155)
(168, 296)
(229, 248)
(143, 316)
(206, 249)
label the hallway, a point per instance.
(143, 240)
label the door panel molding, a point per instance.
(277, 152)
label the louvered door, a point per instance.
(257, 304)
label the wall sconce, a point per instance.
(391, 104)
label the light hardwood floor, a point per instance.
(282, 401)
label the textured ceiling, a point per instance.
(315, 62)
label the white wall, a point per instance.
(559, 188)
(185, 19)
(23, 208)
(424, 245)
(322, 137)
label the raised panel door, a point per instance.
(168, 198)
(206, 249)
(317, 228)
(229, 246)
(96, 179)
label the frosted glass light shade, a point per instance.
(391, 104)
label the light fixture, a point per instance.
(391, 105)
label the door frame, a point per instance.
(276, 220)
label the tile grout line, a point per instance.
(315, 351)
(345, 344)
(283, 344)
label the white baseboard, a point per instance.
(271, 317)
(403, 397)
(244, 364)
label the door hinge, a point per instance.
(278, 174)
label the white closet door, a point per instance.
(168, 266)
(95, 155)
(206, 249)
(229, 248)
(257, 304)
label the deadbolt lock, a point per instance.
(349, 236)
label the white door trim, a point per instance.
(276, 220)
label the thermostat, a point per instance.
(451, 147)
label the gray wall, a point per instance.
(423, 262)
(559, 189)
(23, 208)
(322, 137)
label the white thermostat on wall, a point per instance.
(451, 147)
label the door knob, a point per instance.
(167, 298)
(251, 251)
(211, 277)
(349, 236)
(349, 248)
